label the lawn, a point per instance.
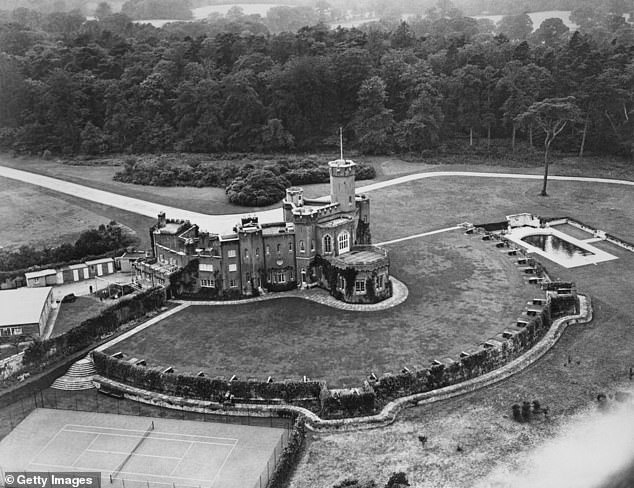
(588, 360)
(462, 291)
(434, 203)
(72, 314)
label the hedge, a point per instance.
(290, 455)
(105, 323)
(202, 387)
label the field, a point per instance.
(461, 291)
(137, 452)
(28, 207)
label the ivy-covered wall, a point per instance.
(90, 330)
(210, 389)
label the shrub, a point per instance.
(258, 189)
(517, 413)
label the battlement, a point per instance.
(342, 167)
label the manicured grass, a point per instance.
(435, 203)
(462, 291)
(588, 360)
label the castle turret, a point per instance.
(342, 183)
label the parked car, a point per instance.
(69, 298)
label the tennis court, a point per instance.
(136, 452)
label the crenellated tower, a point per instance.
(342, 184)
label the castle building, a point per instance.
(323, 242)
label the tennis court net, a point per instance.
(119, 468)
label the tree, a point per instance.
(103, 10)
(258, 188)
(373, 123)
(552, 115)
(275, 137)
(551, 32)
(397, 480)
(520, 86)
(515, 27)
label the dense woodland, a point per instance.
(68, 86)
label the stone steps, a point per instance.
(78, 377)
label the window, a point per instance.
(312, 245)
(233, 267)
(206, 267)
(231, 253)
(279, 249)
(344, 241)
(248, 276)
(341, 282)
(257, 252)
(291, 275)
(350, 199)
(280, 277)
(6, 332)
(207, 283)
(290, 246)
(379, 283)
(327, 243)
(232, 284)
(301, 246)
(268, 249)
(359, 286)
(246, 253)
(16, 330)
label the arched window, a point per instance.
(301, 246)
(327, 243)
(344, 241)
(279, 248)
(246, 253)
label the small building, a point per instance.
(24, 312)
(125, 262)
(74, 272)
(100, 267)
(12, 282)
(43, 277)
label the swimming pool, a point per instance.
(559, 249)
(557, 246)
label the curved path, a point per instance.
(225, 223)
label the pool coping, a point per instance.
(598, 256)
